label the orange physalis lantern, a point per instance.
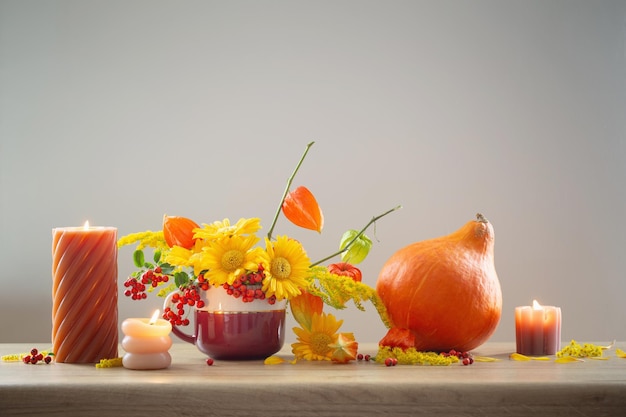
(301, 208)
(178, 231)
(344, 349)
(345, 269)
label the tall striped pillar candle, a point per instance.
(84, 294)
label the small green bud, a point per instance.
(358, 248)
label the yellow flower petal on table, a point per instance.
(519, 357)
(277, 360)
(485, 359)
(609, 346)
(568, 359)
(620, 353)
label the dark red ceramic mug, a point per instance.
(229, 329)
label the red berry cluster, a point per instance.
(362, 357)
(248, 287)
(35, 357)
(465, 357)
(186, 297)
(136, 288)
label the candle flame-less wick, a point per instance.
(154, 318)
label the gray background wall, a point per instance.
(117, 112)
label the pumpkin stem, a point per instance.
(480, 218)
(356, 237)
(289, 181)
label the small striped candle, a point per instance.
(84, 294)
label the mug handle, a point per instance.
(181, 335)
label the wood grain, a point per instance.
(248, 388)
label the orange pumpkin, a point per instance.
(443, 293)
(178, 231)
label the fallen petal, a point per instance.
(568, 359)
(274, 360)
(484, 359)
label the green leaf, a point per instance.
(157, 256)
(138, 258)
(181, 278)
(167, 269)
(358, 246)
(148, 265)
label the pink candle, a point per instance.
(146, 342)
(538, 329)
(84, 294)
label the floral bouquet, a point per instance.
(189, 258)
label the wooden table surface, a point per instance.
(249, 388)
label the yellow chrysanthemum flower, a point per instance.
(227, 258)
(218, 230)
(314, 345)
(286, 268)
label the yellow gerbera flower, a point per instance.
(286, 268)
(315, 345)
(218, 230)
(227, 258)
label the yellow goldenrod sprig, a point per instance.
(411, 356)
(336, 290)
(18, 357)
(144, 239)
(109, 363)
(576, 350)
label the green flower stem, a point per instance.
(357, 236)
(289, 181)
